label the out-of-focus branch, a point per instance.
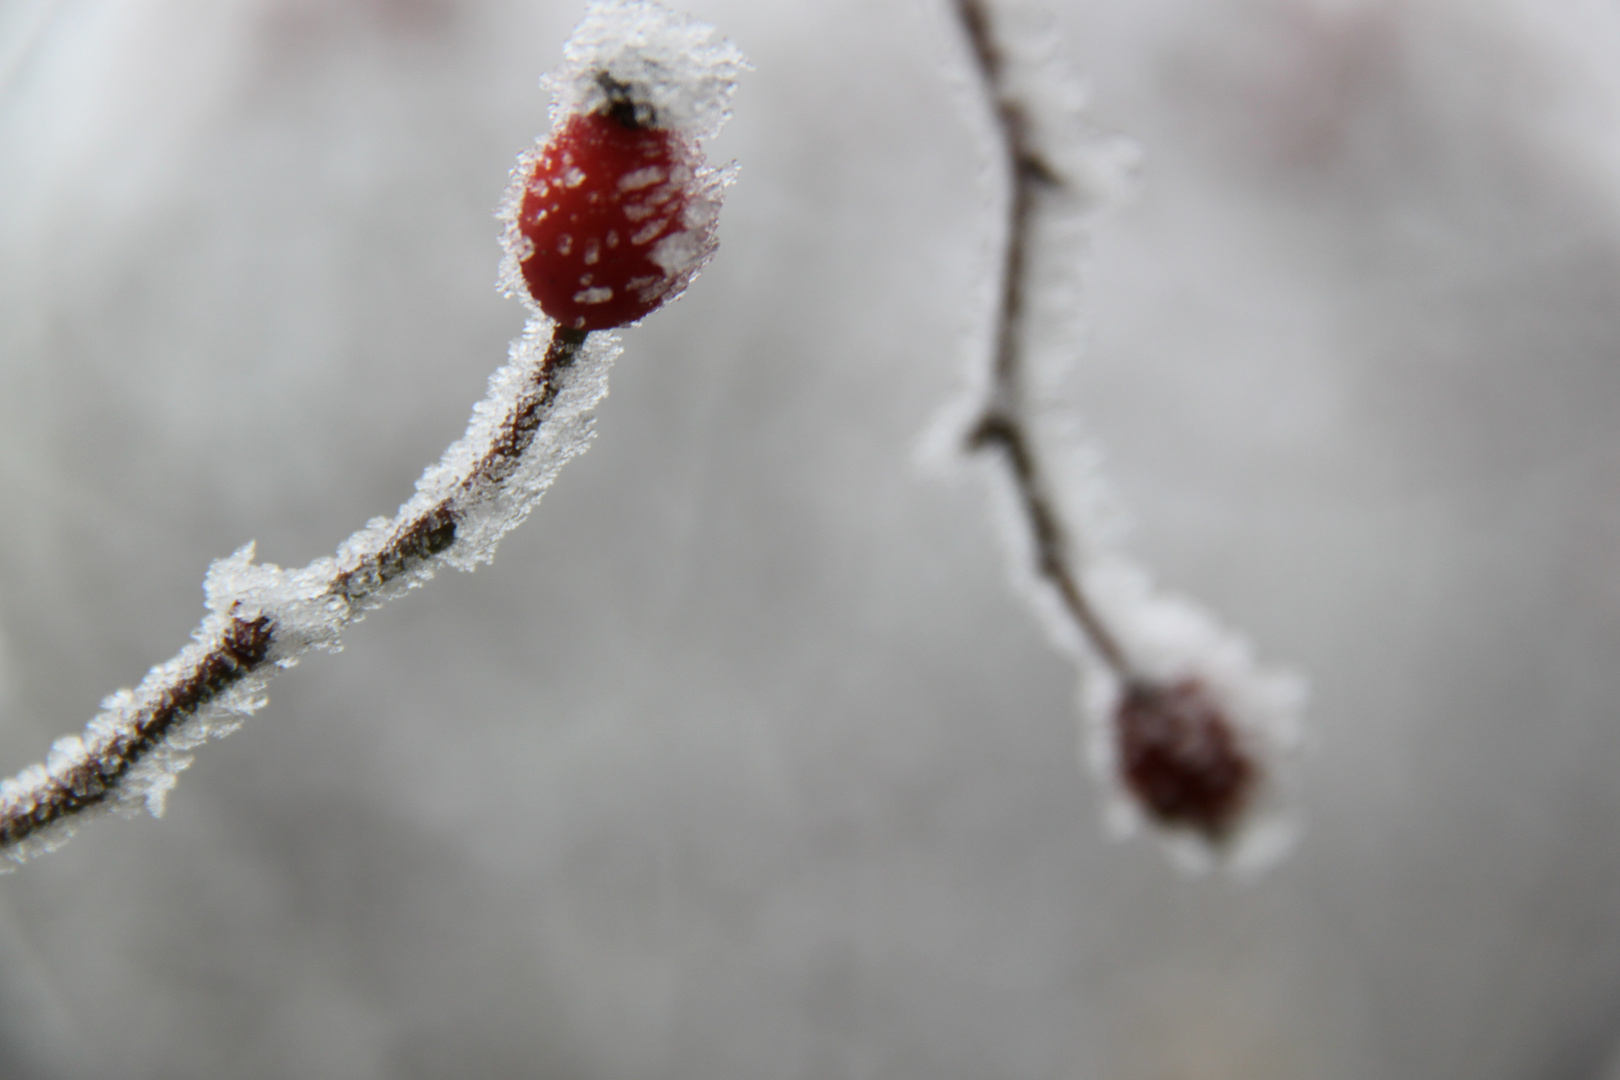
(1190, 742)
(1003, 425)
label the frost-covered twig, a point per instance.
(607, 220)
(1001, 423)
(263, 618)
(1188, 734)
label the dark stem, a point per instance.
(434, 530)
(240, 648)
(1002, 424)
(997, 429)
(244, 645)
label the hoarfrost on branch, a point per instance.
(538, 414)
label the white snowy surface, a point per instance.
(742, 759)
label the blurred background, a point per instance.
(743, 760)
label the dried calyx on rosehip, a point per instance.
(615, 212)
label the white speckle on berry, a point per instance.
(635, 181)
(678, 252)
(700, 214)
(648, 232)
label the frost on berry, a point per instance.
(1199, 744)
(1180, 756)
(612, 221)
(614, 213)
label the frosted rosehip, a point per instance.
(616, 216)
(1181, 757)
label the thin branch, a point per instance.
(236, 651)
(1196, 746)
(434, 529)
(1003, 424)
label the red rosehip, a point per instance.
(615, 219)
(1181, 757)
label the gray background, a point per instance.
(743, 760)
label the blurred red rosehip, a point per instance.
(1181, 757)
